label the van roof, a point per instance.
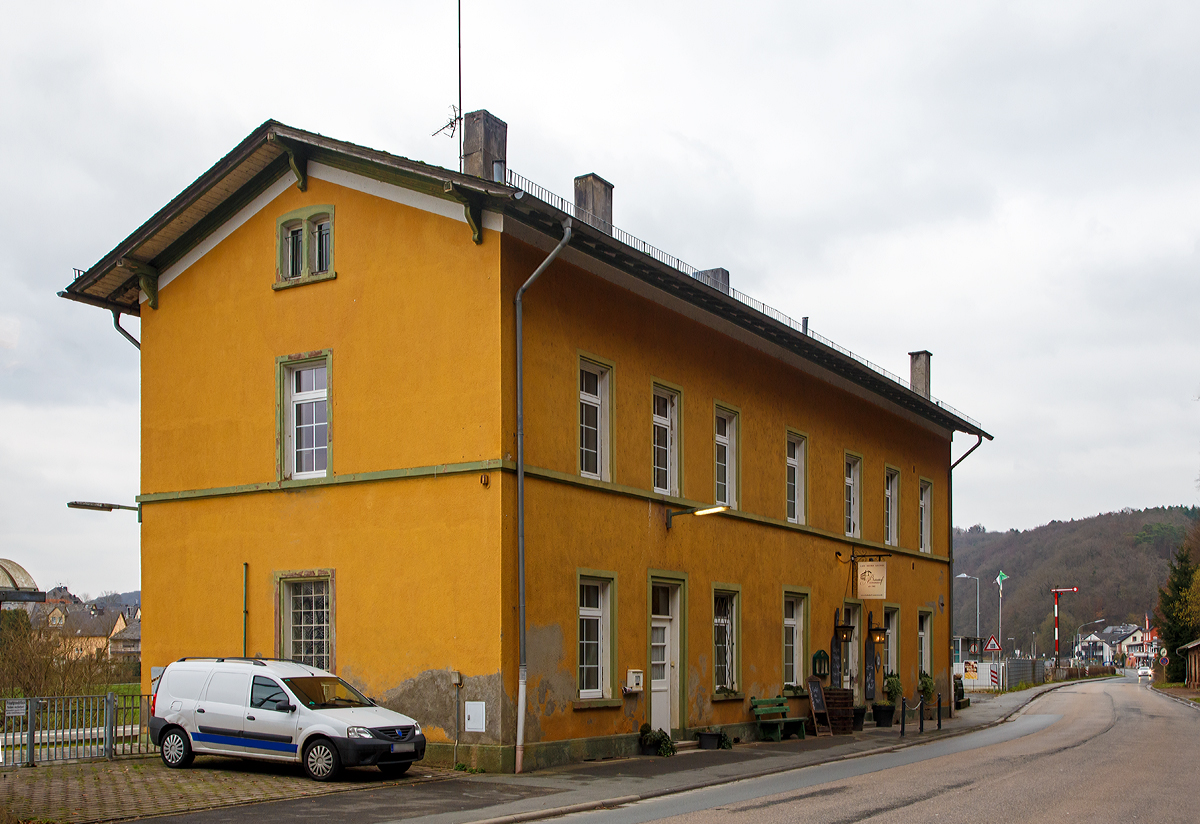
(281, 667)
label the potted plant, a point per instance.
(885, 711)
(655, 742)
(860, 714)
(709, 739)
(927, 688)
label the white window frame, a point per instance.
(726, 625)
(727, 442)
(891, 621)
(891, 506)
(598, 616)
(668, 426)
(925, 664)
(793, 626)
(293, 249)
(292, 398)
(292, 635)
(926, 513)
(599, 400)
(853, 498)
(797, 465)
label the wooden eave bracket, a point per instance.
(472, 208)
(147, 278)
(297, 159)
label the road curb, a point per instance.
(554, 812)
(1175, 698)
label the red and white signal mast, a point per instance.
(1056, 594)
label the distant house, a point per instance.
(126, 645)
(86, 629)
(1109, 644)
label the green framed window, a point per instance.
(304, 246)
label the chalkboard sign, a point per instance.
(869, 671)
(816, 697)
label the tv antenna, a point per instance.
(454, 125)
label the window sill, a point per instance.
(729, 696)
(303, 280)
(795, 693)
(596, 703)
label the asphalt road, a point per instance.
(1107, 751)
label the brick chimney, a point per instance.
(594, 194)
(485, 146)
(918, 363)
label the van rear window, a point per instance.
(325, 692)
(186, 683)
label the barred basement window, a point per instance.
(724, 639)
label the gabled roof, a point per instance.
(118, 280)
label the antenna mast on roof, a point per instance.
(455, 124)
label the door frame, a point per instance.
(678, 580)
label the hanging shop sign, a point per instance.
(872, 579)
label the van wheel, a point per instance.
(176, 749)
(395, 770)
(321, 760)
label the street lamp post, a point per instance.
(1079, 633)
(965, 575)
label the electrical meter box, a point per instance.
(633, 681)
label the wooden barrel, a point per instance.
(840, 704)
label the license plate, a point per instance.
(404, 748)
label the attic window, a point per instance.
(304, 246)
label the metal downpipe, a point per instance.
(522, 673)
(126, 335)
(950, 552)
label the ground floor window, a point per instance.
(793, 640)
(887, 656)
(724, 641)
(307, 625)
(593, 637)
(923, 641)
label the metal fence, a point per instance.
(74, 727)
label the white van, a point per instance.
(276, 711)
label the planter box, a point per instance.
(709, 740)
(884, 714)
(860, 713)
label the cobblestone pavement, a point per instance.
(95, 791)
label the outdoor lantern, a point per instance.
(878, 635)
(844, 632)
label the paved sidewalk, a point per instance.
(111, 791)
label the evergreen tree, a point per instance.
(1173, 615)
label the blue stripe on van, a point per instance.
(249, 743)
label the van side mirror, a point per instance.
(284, 705)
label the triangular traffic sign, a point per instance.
(992, 645)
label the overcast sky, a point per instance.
(1013, 186)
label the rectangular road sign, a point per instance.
(14, 707)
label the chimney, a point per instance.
(593, 194)
(485, 146)
(717, 278)
(918, 363)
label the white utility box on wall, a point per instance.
(475, 721)
(633, 681)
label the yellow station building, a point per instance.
(331, 464)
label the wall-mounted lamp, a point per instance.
(696, 510)
(878, 635)
(98, 507)
(843, 632)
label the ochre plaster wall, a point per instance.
(571, 526)
(411, 320)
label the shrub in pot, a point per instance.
(927, 688)
(885, 711)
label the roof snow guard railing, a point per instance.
(562, 204)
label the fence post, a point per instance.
(30, 734)
(921, 715)
(110, 720)
(903, 713)
(939, 710)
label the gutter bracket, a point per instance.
(472, 209)
(147, 277)
(297, 159)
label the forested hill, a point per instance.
(1117, 559)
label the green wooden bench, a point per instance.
(779, 728)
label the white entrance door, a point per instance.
(660, 673)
